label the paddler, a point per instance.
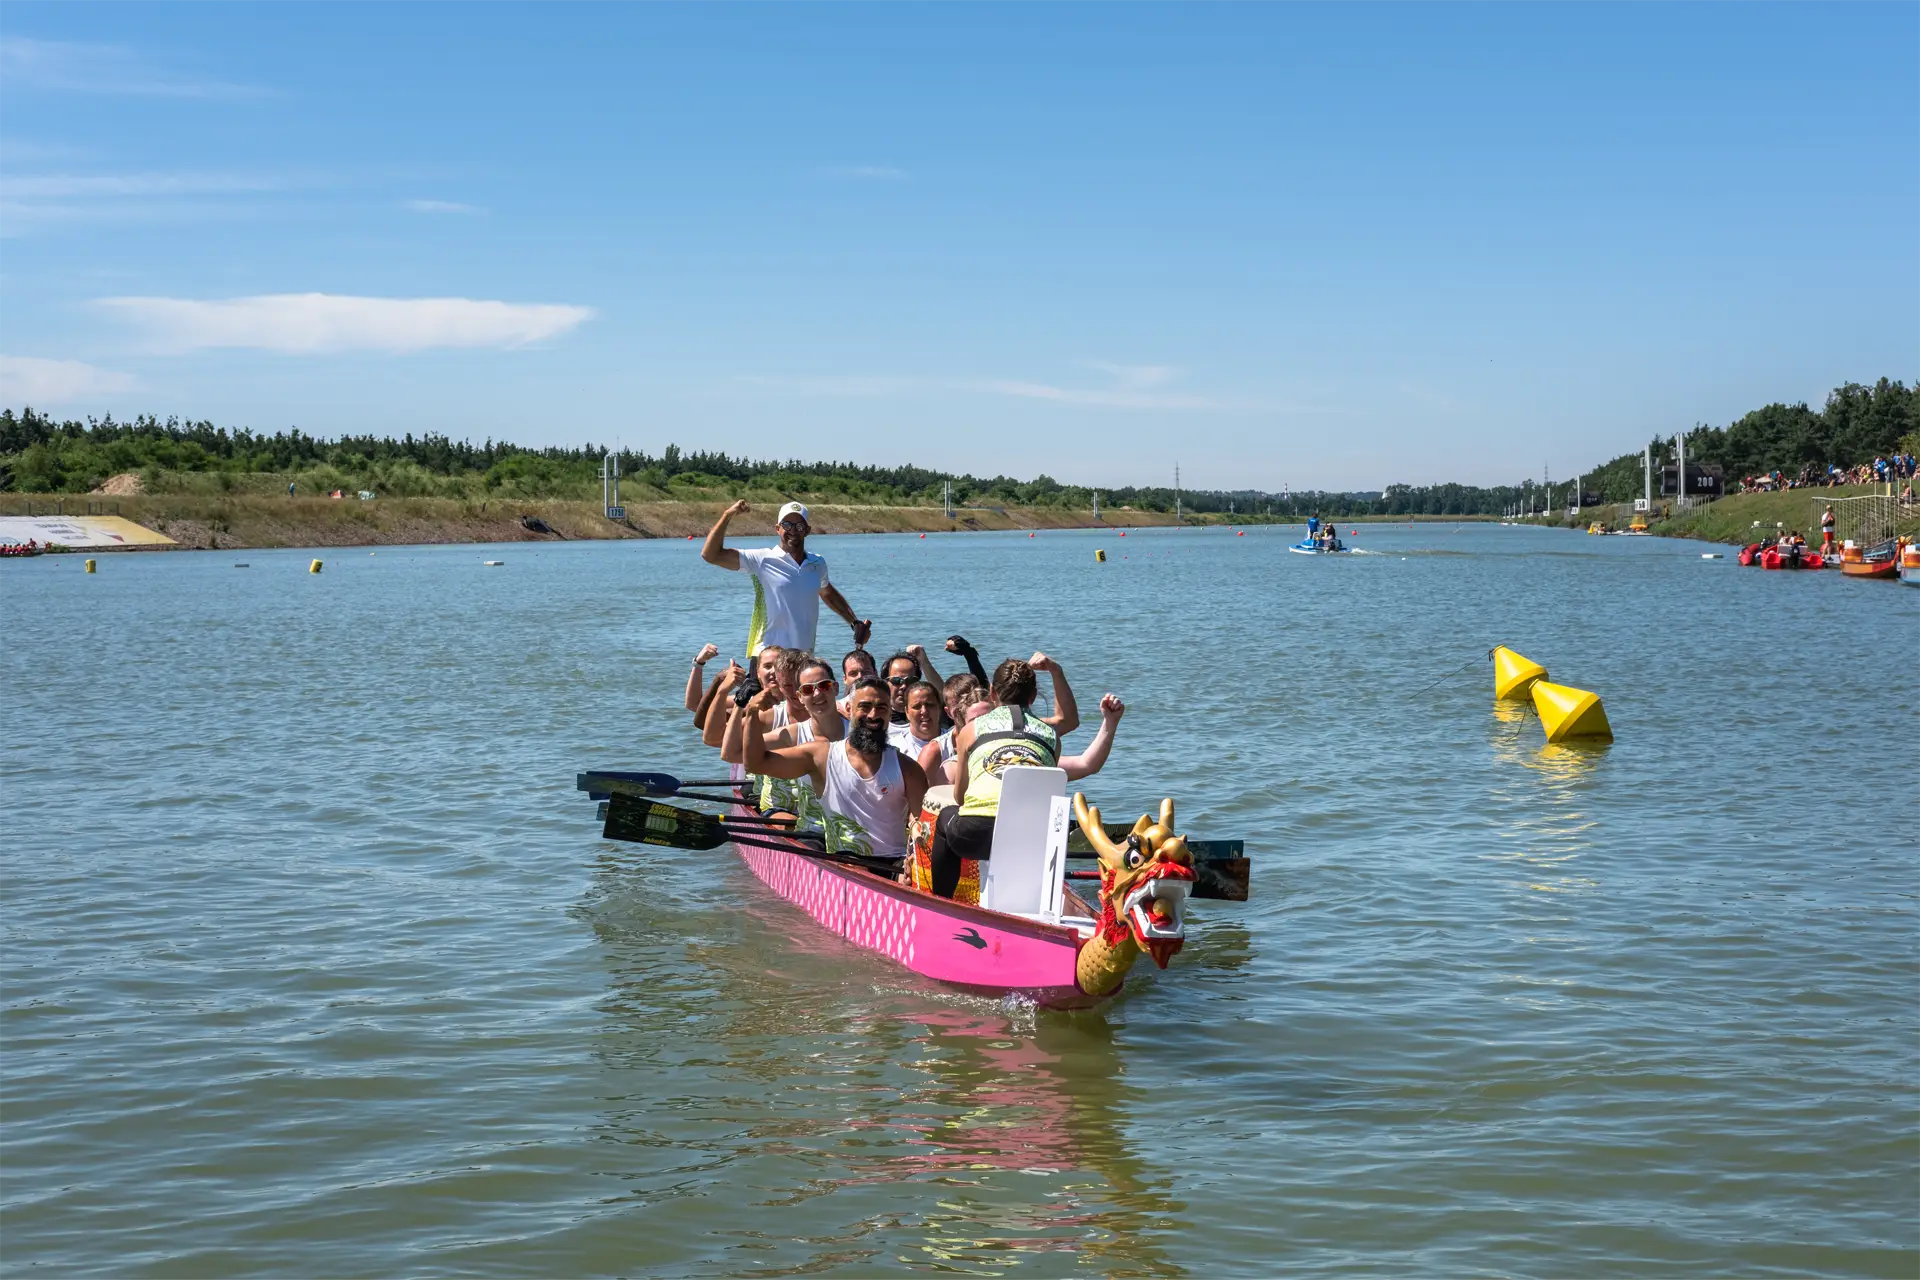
(1006, 737)
(789, 582)
(918, 729)
(861, 778)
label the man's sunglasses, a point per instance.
(899, 679)
(812, 687)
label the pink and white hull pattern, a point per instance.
(968, 947)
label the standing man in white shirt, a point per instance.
(789, 582)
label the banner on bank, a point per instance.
(83, 533)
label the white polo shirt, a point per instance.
(786, 598)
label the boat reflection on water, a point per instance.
(846, 1112)
(1039, 1111)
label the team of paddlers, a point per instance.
(31, 547)
(871, 748)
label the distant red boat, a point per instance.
(1794, 557)
(1879, 561)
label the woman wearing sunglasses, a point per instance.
(814, 689)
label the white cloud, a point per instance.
(69, 67)
(442, 206)
(1120, 397)
(67, 186)
(1136, 388)
(34, 201)
(1138, 376)
(313, 323)
(26, 151)
(867, 172)
(28, 380)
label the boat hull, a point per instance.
(1882, 561)
(1304, 549)
(971, 948)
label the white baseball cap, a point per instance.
(793, 509)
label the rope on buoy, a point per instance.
(1456, 671)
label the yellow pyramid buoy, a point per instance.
(1570, 713)
(1513, 674)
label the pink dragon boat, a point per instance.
(1012, 928)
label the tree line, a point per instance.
(41, 455)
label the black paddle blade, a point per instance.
(1226, 879)
(643, 822)
(1077, 846)
(601, 783)
(1222, 879)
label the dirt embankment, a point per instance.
(254, 521)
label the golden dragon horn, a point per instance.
(1089, 819)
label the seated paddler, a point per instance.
(813, 693)
(1006, 737)
(861, 778)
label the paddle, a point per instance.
(1223, 879)
(648, 822)
(601, 783)
(631, 818)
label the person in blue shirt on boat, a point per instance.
(1006, 737)
(789, 582)
(1313, 526)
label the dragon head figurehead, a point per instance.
(1144, 881)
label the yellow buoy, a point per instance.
(90, 566)
(314, 567)
(1570, 713)
(1100, 557)
(1513, 674)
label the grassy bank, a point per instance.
(258, 520)
(1731, 519)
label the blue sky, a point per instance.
(1324, 247)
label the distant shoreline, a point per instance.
(259, 523)
(254, 522)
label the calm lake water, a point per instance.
(315, 963)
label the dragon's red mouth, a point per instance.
(1153, 911)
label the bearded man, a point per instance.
(861, 778)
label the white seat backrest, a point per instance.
(1024, 875)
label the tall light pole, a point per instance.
(1680, 464)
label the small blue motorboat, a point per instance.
(1312, 548)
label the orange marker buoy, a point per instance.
(1029, 535)
(1240, 535)
(923, 537)
(1123, 533)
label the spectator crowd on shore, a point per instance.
(1881, 470)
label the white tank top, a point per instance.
(803, 732)
(878, 804)
(780, 720)
(904, 742)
